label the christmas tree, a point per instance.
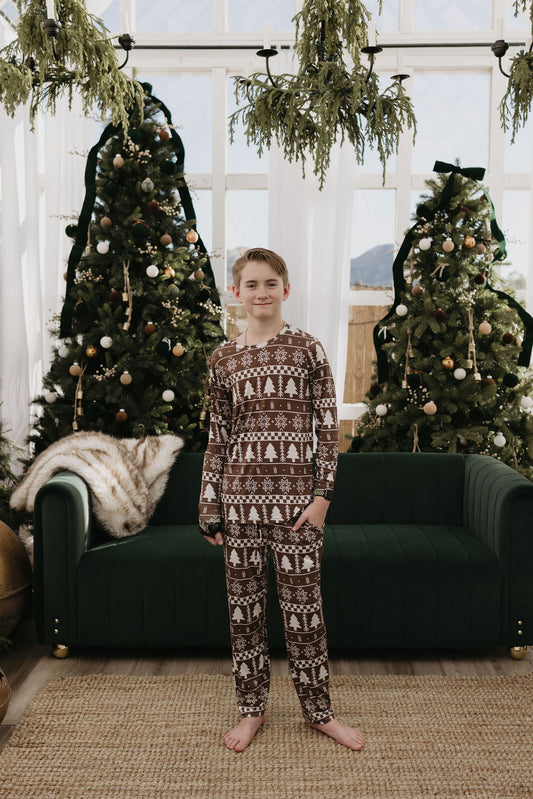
(141, 315)
(452, 353)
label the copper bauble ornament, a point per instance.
(164, 135)
(75, 369)
(469, 242)
(508, 338)
(150, 328)
(191, 236)
(480, 247)
(165, 239)
(114, 295)
(91, 351)
(106, 223)
(118, 161)
(121, 416)
(168, 270)
(199, 274)
(448, 245)
(417, 290)
(178, 350)
(480, 279)
(489, 381)
(448, 363)
(125, 378)
(439, 314)
(153, 205)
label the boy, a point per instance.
(259, 491)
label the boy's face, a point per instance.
(261, 290)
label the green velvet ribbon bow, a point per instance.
(80, 241)
(476, 174)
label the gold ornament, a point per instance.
(165, 239)
(125, 378)
(91, 352)
(448, 245)
(469, 242)
(448, 363)
(164, 135)
(417, 290)
(178, 350)
(169, 271)
(481, 248)
(75, 369)
(106, 223)
(191, 236)
(121, 416)
(118, 161)
(199, 274)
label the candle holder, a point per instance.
(52, 27)
(400, 78)
(267, 53)
(499, 48)
(371, 52)
(127, 43)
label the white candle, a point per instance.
(50, 9)
(125, 22)
(266, 37)
(371, 33)
(499, 29)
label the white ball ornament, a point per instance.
(424, 244)
(125, 378)
(381, 410)
(152, 270)
(499, 440)
(175, 197)
(50, 396)
(63, 351)
(485, 328)
(526, 403)
(106, 342)
(430, 409)
(168, 395)
(147, 185)
(401, 309)
(459, 373)
(102, 247)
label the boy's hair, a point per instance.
(260, 254)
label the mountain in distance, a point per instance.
(373, 267)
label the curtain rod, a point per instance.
(400, 45)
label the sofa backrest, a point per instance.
(401, 488)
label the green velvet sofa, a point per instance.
(420, 551)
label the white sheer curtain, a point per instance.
(41, 182)
(311, 230)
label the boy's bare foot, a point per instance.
(240, 736)
(347, 736)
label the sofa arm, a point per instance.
(62, 529)
(498, 510)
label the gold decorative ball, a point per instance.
(448, 363)
(168, 270)
(75, 369)
(91, 352)
(178, 350)
(125, 378)
(164, 135)
(118, 161)
(481, 248)
(165, 239)
(122, 416)
(448, 245)
(469, 242)
(417, 290)
(150, 328)
(192, 236)
(199, 274)
(106, 223)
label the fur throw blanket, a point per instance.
(126, 476)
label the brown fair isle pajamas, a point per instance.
(297, 557)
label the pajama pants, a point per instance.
(297, 557)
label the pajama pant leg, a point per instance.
(297, 557)
(245, 554)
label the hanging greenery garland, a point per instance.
(327, 100)
(85, 60)
(516, 102)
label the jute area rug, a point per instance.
(124, 737)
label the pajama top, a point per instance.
(258, 466)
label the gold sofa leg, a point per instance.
(518, 652)
(60, 651)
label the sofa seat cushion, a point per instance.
(409, 585)
(163, 587)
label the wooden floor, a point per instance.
(28, 665)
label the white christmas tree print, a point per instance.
(315, 621)
(234, 558)
(291, 389)
(294, 623)
(248, 390)
(309, 453)
(320, 354)
(276, 514)
(292, 454)
(257, 610)
(271, 453)
(328, 419)
(255, 558)
(249, 453)
(269, 387)
(233, 516)
(209, 492)
(244, 671)
(286, 564)
(304, 678)
(238, 615)
(307, 563)
(254, 516)
(323, 673)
